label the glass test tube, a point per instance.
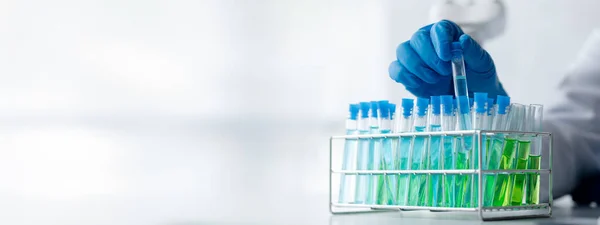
(434, 184)
(502, 108)
(479, 113)
(363, 154)
(403, 124)
(386, 184)
(349, 158)
(448, 161)
(535, 157)
(504, 182)
(374, 153)
(418, 156)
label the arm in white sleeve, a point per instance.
(575, 123)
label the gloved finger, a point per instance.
(443, 33)
(412, 61)
(476, 58)
(422, 44)
(401, 75)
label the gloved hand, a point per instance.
(423, 63)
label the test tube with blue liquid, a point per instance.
(362, 155)
(418, 156)
(349, 158)
(403, 124)
(480, 112)
(464, 123)
(434, 189)
(448, 120)
(374, 153)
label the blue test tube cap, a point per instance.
(354, 108)
(463, 104)
(435, 105)
(422, 104)
(392, 107)
(374, 108)
(364, 109)
(502, 102)
(448, 104)
(481, 99)
(407, 106)
(384, 110)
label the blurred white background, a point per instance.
(184, 110)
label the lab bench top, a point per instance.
(183, 173)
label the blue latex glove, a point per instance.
(423, 63)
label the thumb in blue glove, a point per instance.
(422, 63)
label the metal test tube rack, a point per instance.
(484, 213)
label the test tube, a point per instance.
(374, 153)
(349, 157)
(448, 163)
(404, 124)
(523, 151)
(363, 154)
(535, 157)
(386, 183)
(479, 123)
(504, 182)
(417, 182)
(501, 109)
(434, 186)
(458, 71)
(464, 143)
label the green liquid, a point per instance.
(494, 155)
(402, 161)
(449, 197)
(402, 183)
(463, 183)
(533, 181)
(386, 184)
(519, 184)
(417, 186)
(502, 190)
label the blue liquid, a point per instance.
(362, 163)
(417, 187)
(373, 164)
(402, 164)
(348, 163)
(434, 192)
(386, 187)
(460, 82)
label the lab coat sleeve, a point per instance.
(574, 122)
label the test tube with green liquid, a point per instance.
(523, 149)
(404, 123)
(495, 147)
(504, 182)
(418, 157)
(532, 195)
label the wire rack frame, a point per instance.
(525, 211)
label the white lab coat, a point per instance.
(575, 122)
